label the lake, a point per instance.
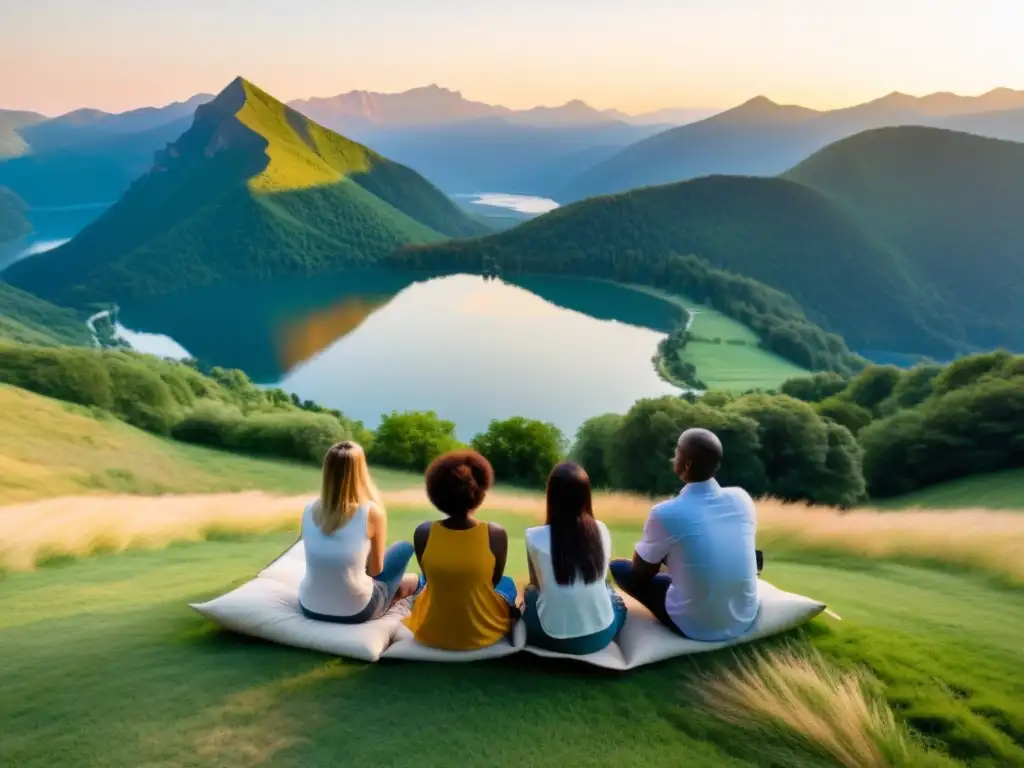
(371, 341)
(486, 202)
(52, 227)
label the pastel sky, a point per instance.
(636, 55)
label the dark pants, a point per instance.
(385, 587)
(577, 646)
(650, 594)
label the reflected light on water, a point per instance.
(299, 341)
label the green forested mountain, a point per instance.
(13, 223)
(252, 189)
(952, 204)
(774, 231)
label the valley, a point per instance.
(199, 299)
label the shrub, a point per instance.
(914, 387)
(71, 374)
(521, 450)
(814, 389)
(873, 385)
(968, 431)
(210, 423)
(593, 446)
(141, 397)
(412, 439)
(840, 481)
(792, 443)
(968, 370)
(644, 444)
(840, 411)
(288, 434)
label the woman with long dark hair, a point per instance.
(569, 605)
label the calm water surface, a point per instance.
(52, 227)
(370, 342)
(527, 204)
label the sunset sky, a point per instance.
(636, 55)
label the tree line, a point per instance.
(823, 439)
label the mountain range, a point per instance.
(763, 138)
(567, 152)
(907, 239)
(251, 189)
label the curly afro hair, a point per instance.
(457, 482)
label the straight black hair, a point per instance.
(576, 546)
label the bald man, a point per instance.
(705, 537)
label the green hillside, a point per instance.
(952, 203)
(252, 189)
(31, 320)
(13, 223)
(774, 231)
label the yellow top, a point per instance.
(458, 609)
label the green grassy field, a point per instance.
(999, 490)
(106, 666)
(49, 448)
(736, 367)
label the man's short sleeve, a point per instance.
(655, 542)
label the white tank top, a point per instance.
(335, 583)
(569, 610)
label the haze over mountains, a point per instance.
(762, 138)
(907, 239)
(566, 152)
(252, 189)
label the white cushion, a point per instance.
(405, 647)
(643, 639)
(268, 608)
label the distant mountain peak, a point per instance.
(763, 109)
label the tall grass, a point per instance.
(795, 695)
(981, 540)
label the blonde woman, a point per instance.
(350, 577)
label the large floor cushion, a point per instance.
(643, 639)
(405, 647)
(268, 608)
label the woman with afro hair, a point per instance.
(466, 602)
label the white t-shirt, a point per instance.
(706, 536)
(335, 583)
(569, 610)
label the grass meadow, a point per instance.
(105, 665)
(109, 667)
(736, 367)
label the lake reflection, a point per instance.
(373, 341)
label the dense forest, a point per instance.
(951, 203)
(252, 189)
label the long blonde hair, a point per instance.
(346, 485)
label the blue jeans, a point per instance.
(505, 587)
(650, 594)
(385, 587)
(577, 646)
